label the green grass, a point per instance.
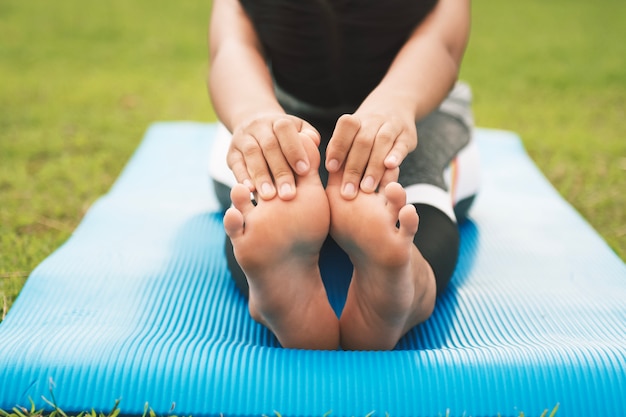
(555, 72)
(79, 85)
(116, 411)
(54, 411)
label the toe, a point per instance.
(390, 175)
(240, 196)
(396, 197)
(408, 220)
(233, 223)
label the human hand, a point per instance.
(370, 146)
(266, 151)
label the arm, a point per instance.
(379, 135)
(239, 80)
(266, 146)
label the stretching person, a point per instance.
(322, 102)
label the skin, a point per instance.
(274, 155)
(280, 259)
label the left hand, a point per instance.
(368, 145)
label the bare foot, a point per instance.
(393, 287)
(277, 244)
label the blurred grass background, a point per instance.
(80, 82)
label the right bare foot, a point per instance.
(393, 287)
(277, 244)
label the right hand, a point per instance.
(267, 150)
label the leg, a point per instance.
(277, 245)
(441, 179)
(393, 287)
(438, 240)
(395, 280)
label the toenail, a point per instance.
(349, 190)
(368, 183)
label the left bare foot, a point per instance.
(277, 245)
(393, 287)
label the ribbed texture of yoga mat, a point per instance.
(138, 305)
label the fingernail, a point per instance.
(285, 190)
(349, 190)
(266, 188)
(368, 183)
(333, 165)
(302, 167)
(248, 184)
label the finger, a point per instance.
(375, 169)
(307, 129)
(341, 141)
(313, 153)
(356, 162)
(406, 142)
(389, 176)
(291, 145)
(237, 165)
(283, 179)
(258, 169)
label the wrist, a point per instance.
(244, 117)
(393, 104)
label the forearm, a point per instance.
(267, 146)
(240, 84)
(427, 66)
(416, 86)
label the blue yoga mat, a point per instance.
(138, 305)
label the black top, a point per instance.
(333, 52)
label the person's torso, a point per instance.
(330, 53)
